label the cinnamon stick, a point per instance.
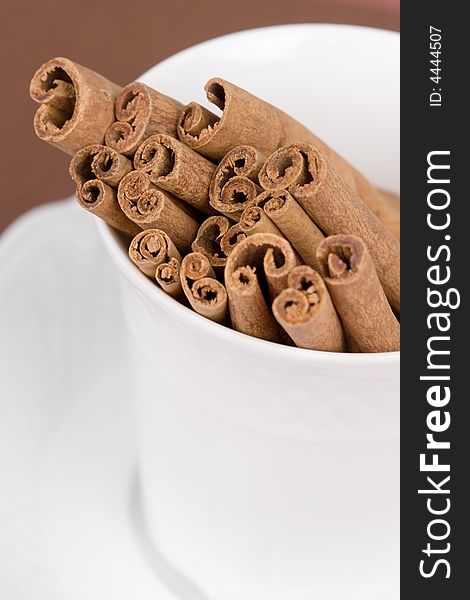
(231, 238)
(151, 248)
(208, 239)
(334, 207)
(249, 120)
(234, 184)
(352, 281)
(293, 222)
(141, 112)
(260, 261)
(255, 220)
(174, 167)
(168, 277)
(100, 199)
(99, 162)
(305, 311)
(77, 104)
(149, 207)
(207, 296)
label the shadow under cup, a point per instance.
(268, 472)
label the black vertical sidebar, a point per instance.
(435, 237)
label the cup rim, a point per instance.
(157, 296)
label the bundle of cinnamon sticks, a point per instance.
(245, 216)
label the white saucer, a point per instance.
(70, 525)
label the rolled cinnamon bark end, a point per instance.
(207, 296)
(168, 277)
(150, 207)
(99, 162)
(193, 120)
(234, 184)
(245, 120)
(334, 207)
(141, 112)
(294, 167)
(353, 284)
(305, 311)
(255, 220)
(260, 261)
(174, 167)
(100, 199)
(208, 240)
(150, 248)
(77, 104)
(294, 223)
(232, 238)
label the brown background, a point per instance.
(121, 39)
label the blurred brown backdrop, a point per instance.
(121, 39)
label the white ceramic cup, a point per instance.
(270, 472)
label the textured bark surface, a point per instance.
(234, 184)
(100, 199)
(305, 311)
(207, 296)
(153, 208)
(229, 240)
(140, 112)
(167, 276)
(208, 240)
(99, 162)
(174, 167)
(293, 222)
(255, 220)
(77, 104)
(150, 248)
(255, 273)
(353, 284)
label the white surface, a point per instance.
(69, 511)
(269, 470)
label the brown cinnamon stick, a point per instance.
(293, 222)
(100, 199)
(168, 277)
(255, 220)
(149, 207)
(234, 184)
(305, 311)
(141, 112)
(208, 239)
(207, 296)
(99, 162)
(77, 104)
(260, 261)
(174, 167)
(249, 120)
(150, 248)
(352, 281)
(334, 207)
(231, 238)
